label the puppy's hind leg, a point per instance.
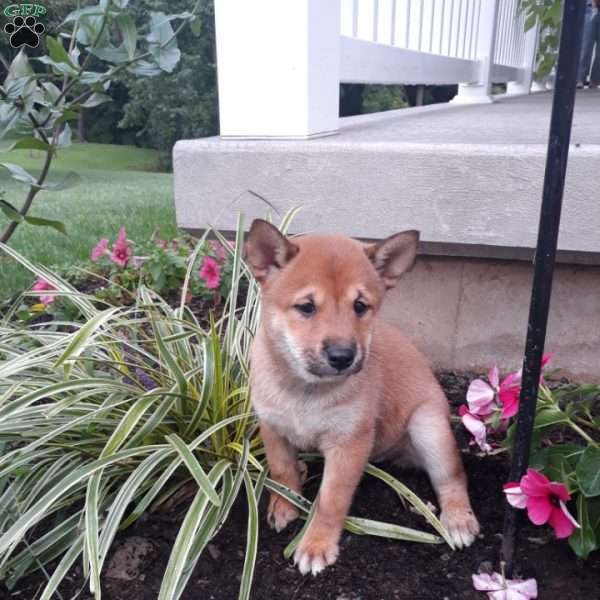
(434, 443)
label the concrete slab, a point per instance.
(471, 314)
(510, 120)
(416, 307)
(469, 177)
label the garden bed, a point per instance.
(368, 568)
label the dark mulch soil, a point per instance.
(368, 568)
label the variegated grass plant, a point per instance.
(104, 419)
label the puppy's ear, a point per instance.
(394, 256)
(267, 250)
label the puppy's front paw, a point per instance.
(462, 525)
(315, 553)
(280, 513)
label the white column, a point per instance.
(523, 84)
(480, 91)
(278, 65)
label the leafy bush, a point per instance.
(565, 448)
(118, 269)
(104, 419)
(548, 14)
(102, 42)
(161, 265)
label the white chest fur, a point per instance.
(307, 419)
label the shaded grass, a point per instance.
(118, 187)
(109, 157)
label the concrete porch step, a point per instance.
(469, 177)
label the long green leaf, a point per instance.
(53, 224)
(194, 467)
(183, 543)
(405, 493)
(91, 532)
(251, 539)
(37, 512)
(291, 547)
(81, 338)
(124, 497)
(170, 362)
(62, 569)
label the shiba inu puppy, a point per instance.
(326, 374)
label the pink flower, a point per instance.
(210, 272)
(483, 398)
(138, 261)
(514, 495)
(121, 251)
(100, 250)
(544, 500)
(219, 250)
(162, 244)
(481, 395)
(43, 285)
(545, 360)
(476, 427)
(499, 588)
(509, 392)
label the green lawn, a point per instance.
(119, 187)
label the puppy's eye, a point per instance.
(306, 308)
(360, 308)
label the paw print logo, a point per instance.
(24, 32)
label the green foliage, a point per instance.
(161, 265)
(181, 104)
(106, 419)
(576, 464)
(377, 98)
(358, 98)
(548, 13)
(103, 41)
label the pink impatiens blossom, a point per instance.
(42, 285)
(508, 394)
(483, 397)
(545, 502)
(514, 495)
(476, 427)
(121, 251)
(100, 250)
(218, 250)
(210, 272)
(492, 403)
(519, 374)
(500, 588)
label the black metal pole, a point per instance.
(554, 181)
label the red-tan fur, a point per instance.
(391, 408)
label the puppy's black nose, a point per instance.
(340, 356)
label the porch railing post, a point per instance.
(523, 85)
(480, 91)
(278, 67)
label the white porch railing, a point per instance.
(280, 62)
